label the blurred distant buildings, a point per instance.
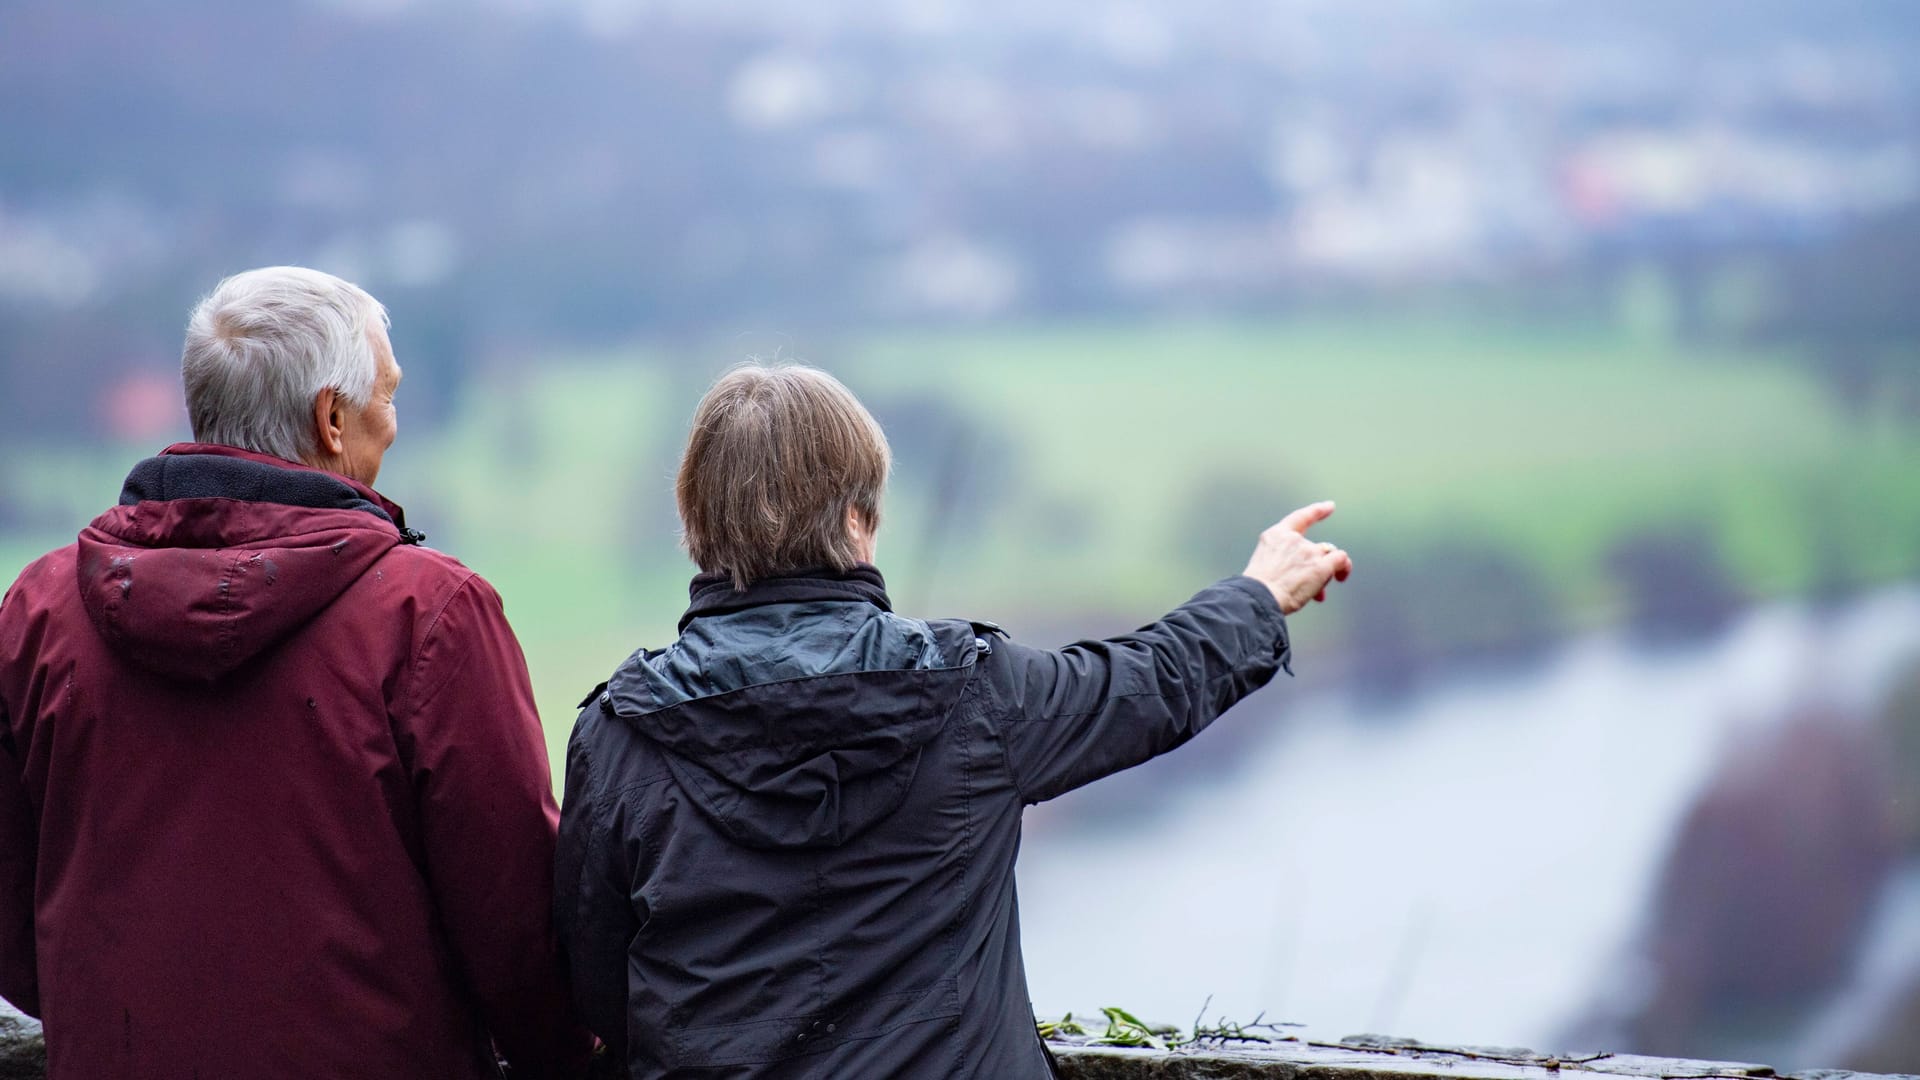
(596, 169)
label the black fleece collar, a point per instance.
(213, 476)
(713, 593)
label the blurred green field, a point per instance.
(1098, 473)
(1548, 443)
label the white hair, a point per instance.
(263, 344)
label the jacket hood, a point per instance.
(794, 713)
(214, 555)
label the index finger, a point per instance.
(1307, 516)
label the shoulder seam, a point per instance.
(433, 627)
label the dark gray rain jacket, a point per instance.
(788, 839)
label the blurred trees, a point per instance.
(1672, 582)
(1762, 898)
(1437, 607)
(1851, 306)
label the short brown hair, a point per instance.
(776, 458)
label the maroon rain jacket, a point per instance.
(274, 799)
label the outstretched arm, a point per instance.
(1072, 716)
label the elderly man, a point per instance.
(274, 799)
(789, 838)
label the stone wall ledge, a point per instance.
(23, 1056)
(1374, 1057)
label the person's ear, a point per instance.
(860, 528)
(329, 422)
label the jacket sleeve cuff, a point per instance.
(1268, 610)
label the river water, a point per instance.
(1467, 865)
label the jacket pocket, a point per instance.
(760, 1041)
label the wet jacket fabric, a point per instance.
(788, 843)
(274, 799)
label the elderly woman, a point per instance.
(788, 842)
